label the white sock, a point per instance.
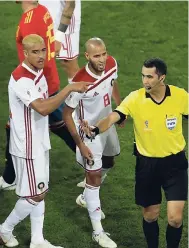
(21, 210)
(91, 195)
(104, 174)
(37, 220)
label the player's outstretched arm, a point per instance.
(101, 126)
(106, 123)
(47, 106)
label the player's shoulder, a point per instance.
(82, 75)
(35, 15)
(21, 72)
(110, 63)
(42, 9)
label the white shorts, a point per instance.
(32, 175)
(105, 144)
(70, 47)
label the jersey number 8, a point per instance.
(106, 100)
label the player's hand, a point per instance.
(80, 87)
(58, 46)
(86, 152)
(88, 130)
(122, 125)
(85, 127)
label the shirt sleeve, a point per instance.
(127, 106)
(116, 72)
(184, 105)
(26, 91)
(73, 99)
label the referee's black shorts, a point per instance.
(152, 174)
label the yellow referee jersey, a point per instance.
(157, 126)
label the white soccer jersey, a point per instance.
(95, 103)
(56, 7)
(29, 129)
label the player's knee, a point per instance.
(151, 215)
(38, 198)
(93, 178)
(175, 220)
(107, 162)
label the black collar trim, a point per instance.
(167, 93)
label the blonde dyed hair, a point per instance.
(31, 40)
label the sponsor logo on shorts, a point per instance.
(41, 186)
(90, 162)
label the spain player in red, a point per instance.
(37, 20)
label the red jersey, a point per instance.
(38, 21)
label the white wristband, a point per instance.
(59, 36)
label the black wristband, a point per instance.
(62, 27)
(122, 117)
(95, 130)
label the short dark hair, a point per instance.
(159, 64)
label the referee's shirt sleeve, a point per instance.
(184, 105)
(127, 105)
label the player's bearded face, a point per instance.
(98, 59)
(36, 56)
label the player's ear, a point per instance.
(25, 53)
(86, 55)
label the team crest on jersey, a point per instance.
(41, 186)
(39, 89)
(28, 93)
(171, 123)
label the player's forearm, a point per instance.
(68, 119)
(47, 106)
(65, 20)
(107, 122)
(67, 13)
(116, 94)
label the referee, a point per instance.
(157, 111)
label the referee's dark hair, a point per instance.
(159, 64)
